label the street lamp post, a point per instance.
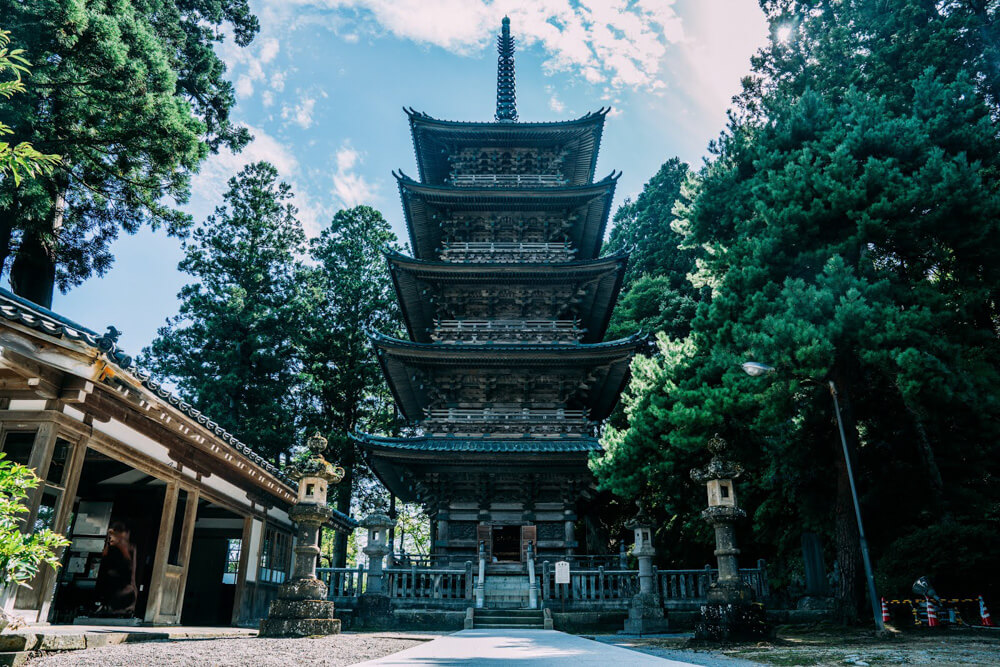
(757, 369)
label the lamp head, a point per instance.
(756, 369)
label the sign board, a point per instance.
(562, 572)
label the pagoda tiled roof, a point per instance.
(608, 362)
(422, 204)
(397, 462)
(480, 445)
(410, 276)
(435, 139)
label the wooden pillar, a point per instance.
(71, 480)
(162, 551)
(241, 575)
(39, 460)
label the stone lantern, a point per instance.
(645, 614)
(301, 608)
(377, 549)
(374, 608)
(729, 612)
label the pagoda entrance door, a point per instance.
(506, 543)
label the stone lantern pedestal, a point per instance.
(730, 613)
(374, 608)
(645, 612)
(301, 608)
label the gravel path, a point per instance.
(343, 649)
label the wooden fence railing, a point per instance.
(590, 586)
(608, 585)
(420, 583)
(343, 582)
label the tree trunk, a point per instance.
(33, 273)
(846, 541)
(926, 454)
(343, 505)
(846, 536)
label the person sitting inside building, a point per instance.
(116, 589)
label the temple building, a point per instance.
(504, 378)
(171, 519)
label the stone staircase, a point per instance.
(509, 619)
(506, 591)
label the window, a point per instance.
(275, 556)
(232, 561)
(17, 446)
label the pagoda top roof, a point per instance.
(434, 139)
(420, 201)
(604, 276)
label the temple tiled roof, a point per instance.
(580, 138)
(590, 205)
(15, 309)
(600, 281)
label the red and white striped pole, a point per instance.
(932, 621)
(984, 613)
(886, 618)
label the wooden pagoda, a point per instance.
(504, 379)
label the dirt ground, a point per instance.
(820, 645)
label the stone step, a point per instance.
(501, 626)
(510, 612)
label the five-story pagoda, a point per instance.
(504, 379)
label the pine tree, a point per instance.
(656, 294)
(233, 348)
(132, 96)
(350, 296)
(850, 218)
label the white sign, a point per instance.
(562, 572)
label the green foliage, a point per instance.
(348, 295)
(22, 159)
(133, 97)
(233, 348)
(22, 554)
(656, 294)
(848, 226)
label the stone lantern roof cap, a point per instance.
(718, 467)
(378, 520)
(316, 465)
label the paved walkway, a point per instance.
(494, 648)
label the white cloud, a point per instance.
(212, 180)
(555, 103)
(618, 42)
(349, 187)
(254, 64)
(301, 114)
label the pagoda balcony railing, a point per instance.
(502, 422)
(507, 331)
(503, 252)
(507, 180)
(503, 414)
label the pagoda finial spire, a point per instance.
(506, 99)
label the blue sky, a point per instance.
(323, 86)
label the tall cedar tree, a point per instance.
(133, 97)
(350, 295)
(851, 221)
(232, 350)
(656, 294)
